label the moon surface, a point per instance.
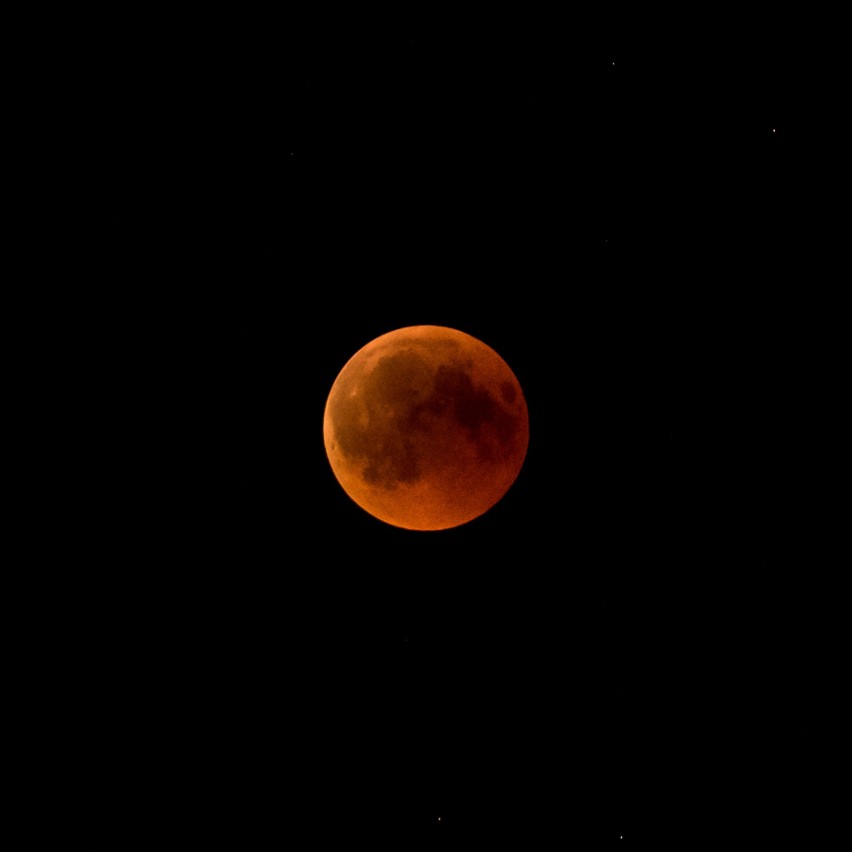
(426, 427)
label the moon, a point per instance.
(426, 427)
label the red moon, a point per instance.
(426, 427)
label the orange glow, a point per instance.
(426, 427)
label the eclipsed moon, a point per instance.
(426, 427)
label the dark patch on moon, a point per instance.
(474, 408)
(404, 396)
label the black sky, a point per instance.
(626, 645)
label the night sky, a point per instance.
(626, 649)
